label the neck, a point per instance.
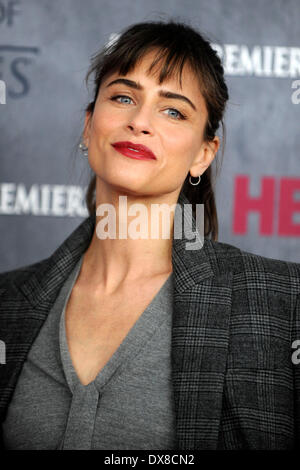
(122, 257)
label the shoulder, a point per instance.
(74, 245)
(265, 295)
(251, 267)
(9, 278)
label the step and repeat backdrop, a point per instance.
(45, 51)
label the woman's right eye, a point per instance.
(115, 97)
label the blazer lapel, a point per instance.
(200, 332)
(26, 304)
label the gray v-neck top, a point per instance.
(129, 405)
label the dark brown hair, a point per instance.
(176, 43)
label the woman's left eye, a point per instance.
(114, 98)
(178, 115)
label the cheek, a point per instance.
(181, 148)
(101, 126)
(104, 122)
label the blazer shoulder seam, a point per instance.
(19, 274)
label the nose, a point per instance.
(140, 123)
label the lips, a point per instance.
(132, 150)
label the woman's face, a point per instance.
(172, 128)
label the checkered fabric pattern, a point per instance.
(235, 318)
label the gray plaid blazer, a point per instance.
(235, 317)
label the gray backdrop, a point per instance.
(45, 49)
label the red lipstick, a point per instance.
(137, 151)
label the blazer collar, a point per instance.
(200, 329)
(190, 266)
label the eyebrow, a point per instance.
(163, 93)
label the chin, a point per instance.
(124, 183)
(129, 182)
(133, 190)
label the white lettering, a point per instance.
(296, 94)
(2, 92)
(7, 198)
(47, 200)
(260, 61)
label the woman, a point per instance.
(127, 343)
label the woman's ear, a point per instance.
(86, 129)
(205, 156)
